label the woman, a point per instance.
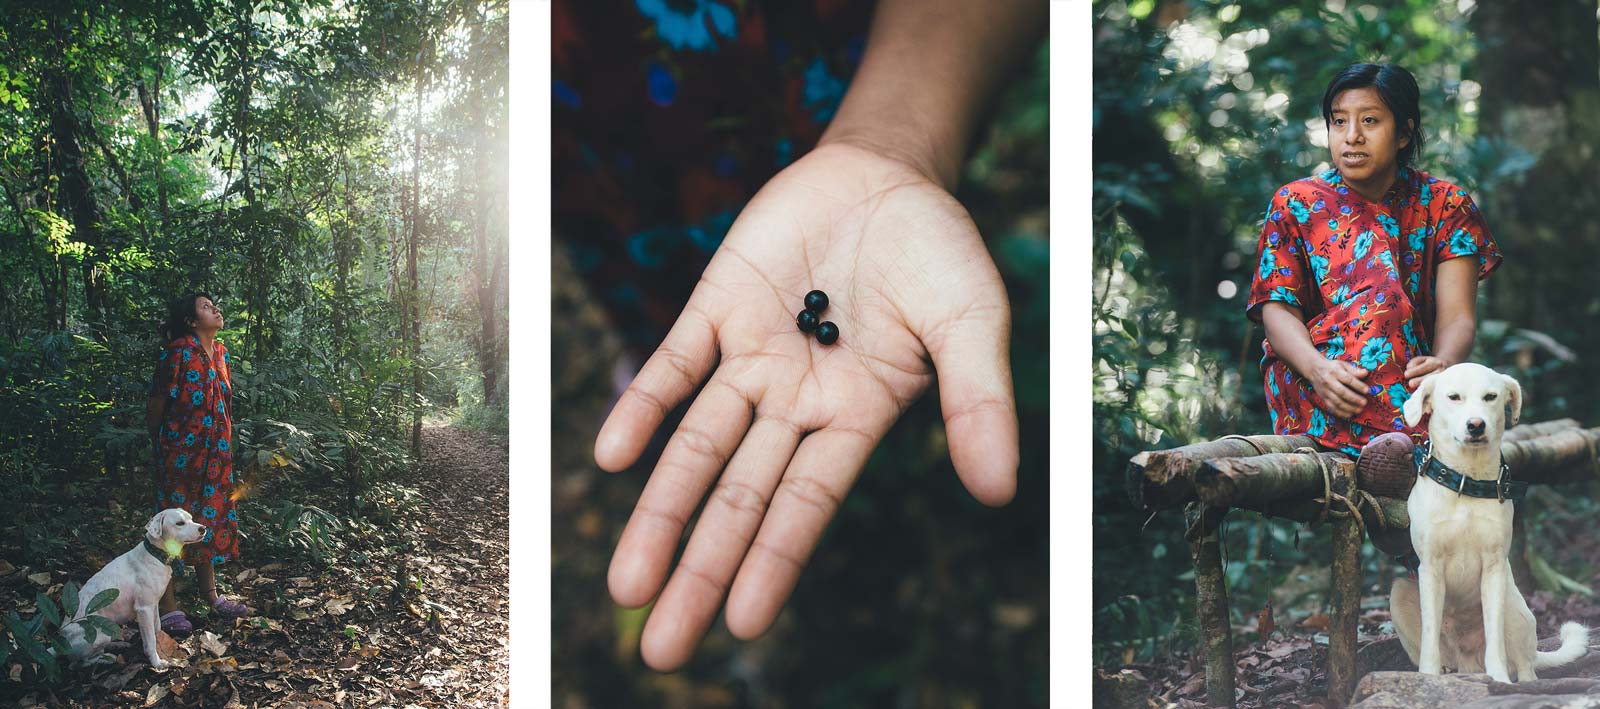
(189, 417)
(1360, 282)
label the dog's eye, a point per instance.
(1455, 397)
(1490, 397)
(181, 523)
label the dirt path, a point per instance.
(411, 611)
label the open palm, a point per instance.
(784, 424)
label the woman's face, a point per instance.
(207, 316)
(1362, 136)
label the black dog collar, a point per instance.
(1502, 489)
(157, 552)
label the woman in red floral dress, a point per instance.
(1360, 280)
(191, 427)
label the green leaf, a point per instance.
(69, 598)
(100, 624)
(102, 599)
(5, 652)
(47, 608)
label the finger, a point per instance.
(813, 487)
(697, 451)
(973, 360)
(667, 378)
(728, 523)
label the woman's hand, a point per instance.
(1420, 367)
(1339, 384)
(784, 424)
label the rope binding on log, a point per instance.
(1329, 497)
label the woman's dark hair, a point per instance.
(1398, 89)
(179, 312)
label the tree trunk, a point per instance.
(75, 196)
(150, 106)
(414, 332)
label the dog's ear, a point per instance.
(1513, 400)
(1421, 401)
(153, 527)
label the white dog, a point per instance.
(1464, 610)
(140, 577)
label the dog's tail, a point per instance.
(1574, 643)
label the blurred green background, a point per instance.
(917, 595)
(1201, 109)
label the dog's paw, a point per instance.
(158, 664)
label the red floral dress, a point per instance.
(1362, 274)
(195, 444)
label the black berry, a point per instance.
(807, 320)
(817, 300)
(828, 333)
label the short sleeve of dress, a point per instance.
(1281, 272)
(165, 381)
(1462, 232)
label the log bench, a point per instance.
(1291, 478)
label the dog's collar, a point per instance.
(1501, 489)
(157, 552)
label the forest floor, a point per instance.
(1289, 668)
(413, 611)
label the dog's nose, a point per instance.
(1475, 427)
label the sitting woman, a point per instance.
(1361, 284)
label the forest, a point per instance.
(334, 176)
(1200, 111)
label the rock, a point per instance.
(1535, 701)
(1414, 690)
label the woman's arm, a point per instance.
(1337, 382)
(1455, 321)
(928, 68)
(153, 408)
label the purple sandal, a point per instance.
(176, 624)
(228, 608)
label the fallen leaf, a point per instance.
(42, 578)
(213, 644)
(1317, 621)
(157, 693)
(349, 663)
(15, 673)
(169, 648)
(367, 651)
(338, 606)
(6, 567)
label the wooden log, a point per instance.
(1164, 479)
(1345, 595)
(1535, 430)
(1264, 479)
(1562, 456)
(1211, 596)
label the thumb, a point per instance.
(971, 356)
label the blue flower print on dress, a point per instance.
(686, 29)
(196, 397)
(220, 408)
(178, 497)
(174, 393)
(1410, 334)
(209, 512)
(1299, 210)
(1375, 353)
(1340, 296)
(182, 461)
(211, 373)
(207, 421)
(188, 439)
(663, 88)
(1356, 430)
(1319, 267)
(222, 444)
(1398, 395)
(206, 537)
(1418, 238)
(192, 376)
(218, 559)
(208, 491)
(163, 355)
(233, 515)
(1413, 283)
(1389, 224)
(1284, 294)
(1319, 423)
(1461, 243)
(172, 435)
(186, 356)
(1335, 348)
(1269, 263)
(1363, 244)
